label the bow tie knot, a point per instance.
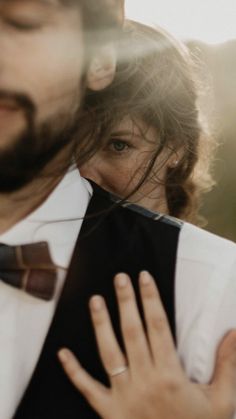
(29, 267)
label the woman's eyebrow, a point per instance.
(117, 133)
(128, 133)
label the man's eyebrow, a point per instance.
(46, 2)
(37, 2)
(57, 4)
(49, 2)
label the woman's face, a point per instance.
(120, 165)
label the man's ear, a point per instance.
(102, 68)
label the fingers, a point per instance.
(224, 378)
(95, 393)
(159, 334)
(136, 344)
(140, 357)
(111, 355)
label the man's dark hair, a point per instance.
(99, 14)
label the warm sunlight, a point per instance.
(207, 20)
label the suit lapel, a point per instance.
(71, 327)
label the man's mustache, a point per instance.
(18, 100)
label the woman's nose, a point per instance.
(90, 171)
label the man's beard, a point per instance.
(32, 149)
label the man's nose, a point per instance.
(7, 52)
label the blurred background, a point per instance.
(208, 27)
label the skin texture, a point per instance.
(154, 385)
(120, 165)
(36, 37)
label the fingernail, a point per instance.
(145, 278)
(64, 355)
(96, 303)
(121, 280)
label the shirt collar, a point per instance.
(68, 201)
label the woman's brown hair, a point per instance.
(155, 82)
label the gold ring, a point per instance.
(118, 371)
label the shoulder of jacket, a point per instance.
(201, 245)
(144, 212)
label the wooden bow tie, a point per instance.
(30, 268)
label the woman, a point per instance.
(152, 127)
(154, 149)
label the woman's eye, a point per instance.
(118, 146)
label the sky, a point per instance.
(211, 21)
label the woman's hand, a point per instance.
(149, 383)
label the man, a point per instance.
(45, 68)
(47, 61)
